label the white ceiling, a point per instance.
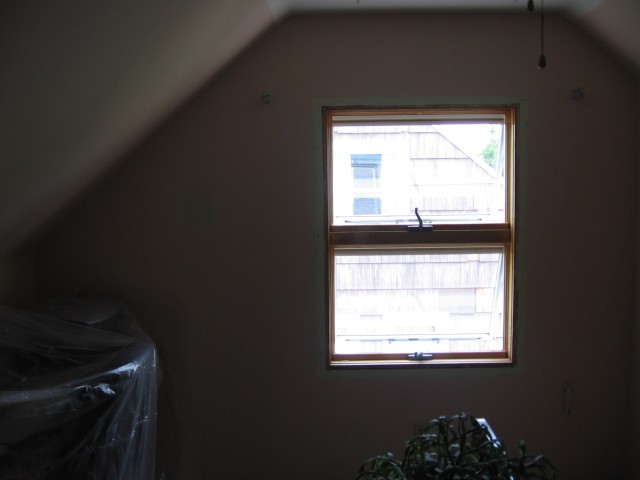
(82, 82)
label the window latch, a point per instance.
(421, 226)
(419, 356)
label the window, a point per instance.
(366, 182)
(420, 235)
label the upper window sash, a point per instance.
(485, 196)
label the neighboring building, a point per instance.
(407, 303)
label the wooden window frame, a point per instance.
(379, 237)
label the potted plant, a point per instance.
(457, 448)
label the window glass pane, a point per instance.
(426, 300)
(452, 171)
(366, 206)
(365, 177)
(366, 170)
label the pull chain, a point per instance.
(542, 62)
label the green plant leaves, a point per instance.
(457, 448)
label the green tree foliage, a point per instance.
(490, 152)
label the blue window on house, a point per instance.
(366, 170)
(366, 184)
(367, 206)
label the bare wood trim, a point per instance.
(422, 114)
(438, 359)
(436, 237)
(436, 355)
(436, 227)
(445, 235)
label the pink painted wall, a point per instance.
(212, 232)
(17, 279)
(633, 444)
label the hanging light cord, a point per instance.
(542, 62)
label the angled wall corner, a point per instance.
(86, 81)
(615, 24)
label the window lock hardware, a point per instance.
(421, 226)
(419, 356)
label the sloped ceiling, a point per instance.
(82, 82)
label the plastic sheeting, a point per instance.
(76, 401)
